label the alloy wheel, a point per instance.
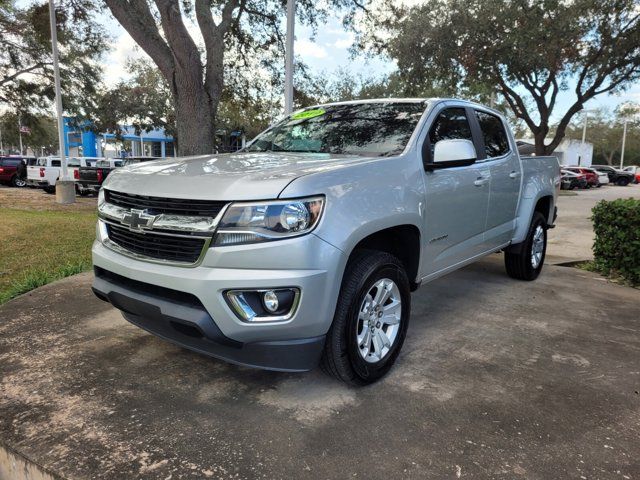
(379, 320)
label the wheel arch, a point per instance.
(543, 203)
(401, 241)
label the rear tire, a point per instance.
(50, 190)
(622, 182)
(368, 330)
(18, 182)
(524, 261)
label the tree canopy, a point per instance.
(529, 51)
(26, 72)
(249, 29)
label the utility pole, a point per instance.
(288, 61)
(65, 188)
(1, 147)
(624, 141)
(584, 135)
(20, 134)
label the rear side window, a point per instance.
(495, 137)
(55, 163)
(451, 124)
(10, 162)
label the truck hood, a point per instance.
(236, 176)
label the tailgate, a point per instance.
(33, 173)
(89, 174)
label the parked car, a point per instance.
(91, 178)
(590, 174)
(75, 164)
(603, 178)
(13, 170)
(44, 174)
(304, 247)
(635, 170)
(570, 180)
(618, 177)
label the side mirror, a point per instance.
(454, 153)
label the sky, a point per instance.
(326, 53)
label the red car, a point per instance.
(13, 170)
(589, 173)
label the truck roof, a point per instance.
(406, 100)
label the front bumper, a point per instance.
(152, 296)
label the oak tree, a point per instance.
(195, 77)
(529, 51)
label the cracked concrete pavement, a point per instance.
(497, 379)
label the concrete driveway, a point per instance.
(497, 379)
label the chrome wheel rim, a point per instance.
(537, 246)
(379, 320)
(20, 183)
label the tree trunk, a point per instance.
(194, 122)
(541, 149)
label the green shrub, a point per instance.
(617, 245)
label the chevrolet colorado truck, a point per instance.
(304, 247)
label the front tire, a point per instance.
(525, 260)
(371, 319)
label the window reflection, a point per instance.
(371, 129)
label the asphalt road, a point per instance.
(497, 379)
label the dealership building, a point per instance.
(82, 141)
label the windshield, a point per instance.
(371, 129)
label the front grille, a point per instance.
(158, 205)
(162, 247)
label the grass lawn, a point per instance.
(40, 246)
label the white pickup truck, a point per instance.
(305, 246)
(47, 171)
(44, 174)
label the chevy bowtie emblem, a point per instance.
(138, 220)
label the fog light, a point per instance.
(270, 301)
(272, 305)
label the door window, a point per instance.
(496, 143)
(451, 124)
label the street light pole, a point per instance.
(624, 141)
(584, 135)
(20, 134)
(288, 61)
(65, 189)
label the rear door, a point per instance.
(506, 178)
(457, 198)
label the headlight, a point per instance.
(261, 222)
(100, 197)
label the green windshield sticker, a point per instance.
(308, 114)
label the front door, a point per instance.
(457, 200)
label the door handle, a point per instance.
(481, 181)
(514, 174)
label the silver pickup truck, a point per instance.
(304, 247)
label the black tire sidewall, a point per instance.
(366, 371)
(538, 219)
